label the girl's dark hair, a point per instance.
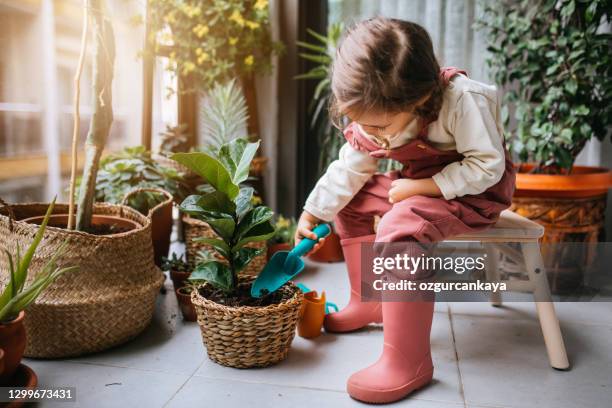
(385, 64)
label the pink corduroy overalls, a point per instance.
(419, 218)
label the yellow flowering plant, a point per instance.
(215, 40)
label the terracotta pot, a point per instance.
(61, 221)
(161, 221)
(330, 251)
(187, 308)
(179, 278)
(24, 377)
(572, 209)
(13, 342)
(1, 361)
(274, 248)
(584, 181)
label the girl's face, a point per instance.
(383, 124)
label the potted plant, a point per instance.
(183, 296)
(178, 268)
(20, 290)
(111, 298)
(555, 64)
(212, 41)
(238, 330)
(284, 234)
(225, 120)
(132, 177)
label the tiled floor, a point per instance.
(484, 357)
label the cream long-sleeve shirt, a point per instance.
(469, 122)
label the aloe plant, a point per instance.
(16, 296)
(229, 211)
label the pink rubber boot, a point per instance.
(356, 314)
(405, 364)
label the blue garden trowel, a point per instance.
(284, 265)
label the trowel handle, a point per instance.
(306, 244)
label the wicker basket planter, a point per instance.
(197, 229)
(244, 337)
(161, 221)
(108, 301)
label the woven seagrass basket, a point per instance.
(109, 300)
(244, 337)
(199, 229)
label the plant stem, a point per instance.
(102, 117)
(77, 115)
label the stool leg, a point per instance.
(549, 322)
(492, 272)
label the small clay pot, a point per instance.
(183, 295)
(274, 248)
(13, 342)
(330, 251)
(24, 377)
(1, 361)
(61, 221)
(179, 278)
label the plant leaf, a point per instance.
(215, 272)
(219, 245)
(243, 201)
(211, 169)
(244, 256)
(261, 232)
(237, 156)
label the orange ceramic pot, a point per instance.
(274, 248)
(584, 181)
(330, 251)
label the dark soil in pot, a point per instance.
(100, 224)
(242, 296)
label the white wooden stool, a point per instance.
(513, 228)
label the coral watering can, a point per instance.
(284, 265)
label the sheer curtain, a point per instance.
(449, 23)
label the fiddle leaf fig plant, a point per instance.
(555, 59)
(229, 211)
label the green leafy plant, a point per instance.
(175, 263)
(284, 231)
(322, 52)
(134, 168)
(556, 64)
(225, 116)
(214, 40)
(174, 140)
(16, 296)
(229, 211)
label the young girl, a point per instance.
(457, 177)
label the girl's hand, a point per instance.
(305, 225)
(402, 189)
